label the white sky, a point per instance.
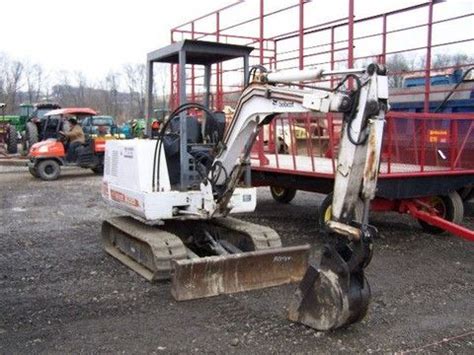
(97, 36)
(93, 36)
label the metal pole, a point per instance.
(149, 97)
(301, 34)
(332, 55)
(207, 84)
(193, 93)
(246, 69)
(260, 40)
(350, 44)
(384, 39)
(426, 106)
(218, 101)
(183, 154)
(350, 47)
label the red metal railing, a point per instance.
(344, 41)
(414, 144)
(340, 41)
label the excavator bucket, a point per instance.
(215, 275)
(334, 295)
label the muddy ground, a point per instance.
(60, 293)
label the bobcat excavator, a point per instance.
(183, 232)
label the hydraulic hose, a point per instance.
(161, 134)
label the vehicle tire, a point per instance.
(325, 212)
(450, 207)
(282, 194)
(33, 172)
(48, 169)
(99, 170)
(466, 192)
(31, 136)
(12, 140)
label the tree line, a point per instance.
(400, 64)
(120, 93)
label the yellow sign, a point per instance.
(438, 136)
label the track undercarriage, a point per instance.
(205, 258)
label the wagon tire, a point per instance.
(325, 212)
(450, 208)
(282, 194)
(466, 192)
(48, 169)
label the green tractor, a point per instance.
(8, 131)
(34, 121)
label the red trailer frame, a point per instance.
(431, 151)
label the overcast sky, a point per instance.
(96, 36)
(93, 36)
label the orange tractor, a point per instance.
(48, 156)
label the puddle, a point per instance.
(18, 209)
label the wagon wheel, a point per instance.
(325, 212)
(449, 207)
(282, 194)
(466, 192)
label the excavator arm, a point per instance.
(361, 141)
(336, 292)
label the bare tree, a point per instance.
(397, 65)
(443, 60)
(10, 81)
(80, 89)
(135, 77)
(161, 85)
(34, 82)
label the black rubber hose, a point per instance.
(355, 102)
(441, 105)
(159, 141)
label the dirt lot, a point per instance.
(59, 292)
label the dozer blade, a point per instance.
(331, 296)
(145, 249)
(215, 275)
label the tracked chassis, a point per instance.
(205, 258)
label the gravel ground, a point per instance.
(60, 293)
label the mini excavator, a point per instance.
(180, 228)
